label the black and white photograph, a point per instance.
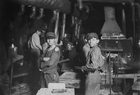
(69, 47)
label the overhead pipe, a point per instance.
(33, 12)
(56, 22)
(87, 8)
(34, 2)
(64, 25)
(85, 13)
(54, 16)
(134, 22)
(123, 20)
(46, 4)
(56, 27)
(110, 1)
(41, 11)
(78, 13)
(138, 8)
(138, 18)
(51, 4)
(61, 5)
(80, 4)
(22, 11)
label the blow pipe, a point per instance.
(80, 4)
(41, 10)
(22, 10)
(33, 12)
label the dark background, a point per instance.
(25, 25)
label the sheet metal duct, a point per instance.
(111, 1)
(110, 26)
(41, 10)
(22, 10)
(33, 12)
(62, 5)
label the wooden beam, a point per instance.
(110, 1)
(133, 76)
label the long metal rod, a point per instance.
(133, 20)
(11, 78)
(64, 25)
(123, 20)
(56, 27)
(110, 83)
(56, 23)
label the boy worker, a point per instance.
(50, 61)
(94, 61)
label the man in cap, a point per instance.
(94, 61)
(43, 37)
(34, 41)
(43, 30)
(85, 50)
(35, 47)
(70, 54)
(50, 61)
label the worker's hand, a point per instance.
(46, 58)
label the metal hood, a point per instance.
(110, 25)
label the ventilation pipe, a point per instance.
(110, 26)
(33, 12)
(56, 26)
(41, 10)
(64, 25)
(82, 13)
(54, 16)
(123, 20)
(22, 10)
(80, 4)
(61, 5)
(56, 22)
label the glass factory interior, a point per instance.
(116, 22)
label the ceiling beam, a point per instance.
(110, 1)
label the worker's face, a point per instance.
(51, 42)
(93, 42)
(39, 32)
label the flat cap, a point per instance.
(50, 35)
(92, 35)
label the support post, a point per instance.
(123, 20)
(56, 26)
(64, 25)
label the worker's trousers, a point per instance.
(92, 83)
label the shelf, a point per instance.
(20, 75)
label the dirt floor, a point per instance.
(21, 85)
